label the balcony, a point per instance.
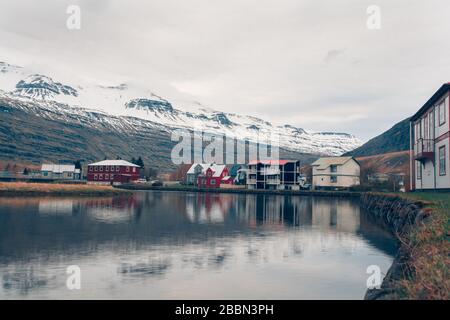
(424, 149)
(273, 181)
(270, 171)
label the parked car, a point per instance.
(140, 181)
(156, 183)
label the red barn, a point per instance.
(112, 172)
(213, 176)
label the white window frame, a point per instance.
(442, 117)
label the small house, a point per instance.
(194, 171)
(335, 173)
(214, 176)
(60, 172)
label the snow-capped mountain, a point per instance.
(42, 87)
(128, 108)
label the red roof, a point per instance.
(271, 162)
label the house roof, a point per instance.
(114, 163)
(194, 165)
(218, 169)
(442, 90)
(58, 168)
(323, 163)
(271, 162)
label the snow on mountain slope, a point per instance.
(128, 106)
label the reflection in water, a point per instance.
(189, 245)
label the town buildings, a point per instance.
(214, 176)
(335, 173)
(112, 172)
(194, 171)
(430, 143)
(274, 175)
(60, 172)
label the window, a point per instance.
(96, 168)
(117, 168)
(333, 168)
(213, 182)
(442, 161)
(106, 176)
(100, 176)
(431, 126)
(90, 169)
(101, 168)
(111, 176)
(128, 169)
(441, 113)
(333, 179)
(134, 169)
(419, 171)
(95, 176)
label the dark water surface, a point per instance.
(157, 245)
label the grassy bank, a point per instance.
(53, 189)
(428, 247)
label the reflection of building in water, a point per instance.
(207, 207)
(276, 210)
(56, 206)
(342, 215)
(112, 210)
(336, 213)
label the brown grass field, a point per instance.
(53, 189)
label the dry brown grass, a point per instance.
(24, 188)
(428, 247)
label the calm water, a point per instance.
(158, 245)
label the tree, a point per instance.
(78, 164)
(140, 162)
(133, 160)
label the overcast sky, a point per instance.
(309, 63)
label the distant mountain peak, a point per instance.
(39, 86)
(150, 105)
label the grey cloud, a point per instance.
(266, 58)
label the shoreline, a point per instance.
(418, 226)
(23, 189)
(346, 194)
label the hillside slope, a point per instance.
(393, 140)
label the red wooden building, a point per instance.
(112, 172)
(214, 176)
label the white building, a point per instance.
(60, 172)
(335, 172)
(430, 143)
